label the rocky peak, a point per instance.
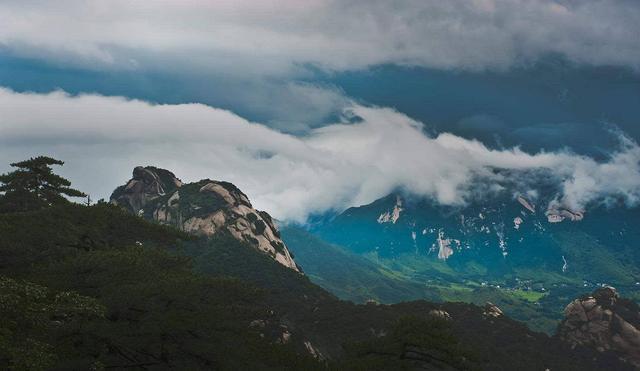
(202, 208)
(605, 322)
(147, 183)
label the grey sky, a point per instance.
(272, 37)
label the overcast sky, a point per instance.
(348, 34)
(261, 93)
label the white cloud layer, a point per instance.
(274, 36)
(334, 167)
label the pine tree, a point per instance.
(34, 186)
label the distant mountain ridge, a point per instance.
(501, 233)
(532, 256)
(203, 208)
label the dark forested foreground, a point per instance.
(95, 287)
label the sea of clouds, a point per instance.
(370, 152)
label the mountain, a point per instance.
(536, 256)
(502, 229)
(203, 208)
(96, 287)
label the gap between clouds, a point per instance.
(331, 168)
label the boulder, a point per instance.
(605, 322)
(492, 310)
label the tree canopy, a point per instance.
(33, 186)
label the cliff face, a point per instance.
(202, 208)
(605, 322)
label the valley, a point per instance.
(531, 269)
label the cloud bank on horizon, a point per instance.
(349, 163)
(285, 35)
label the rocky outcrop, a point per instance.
(492, 310)
(445, 246)
(393, 215)
(147, 184)
(605, 322)
(439, 313)
(202, 208)
(557, 214)
(526, 204)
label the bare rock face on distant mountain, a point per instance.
(605, 322)
(202, 208)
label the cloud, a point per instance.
(370, 153)
(292, 107)
(276, 37)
